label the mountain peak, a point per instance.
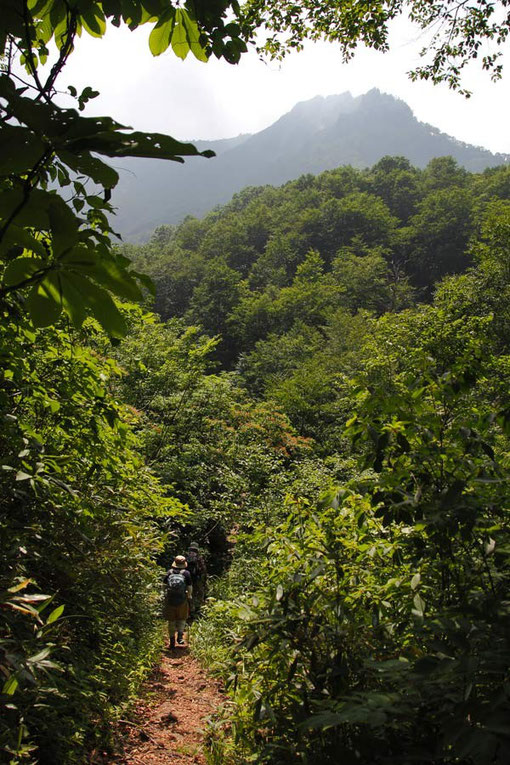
(315, 135)
(323, 103)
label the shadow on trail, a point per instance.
(167, 725)
(179, 652)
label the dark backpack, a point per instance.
(175, 588)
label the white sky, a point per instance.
(192, 100)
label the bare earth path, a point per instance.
(168, 724)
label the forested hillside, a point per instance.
(314, 385)
(364, 612)
(314, 136)
(271, 268)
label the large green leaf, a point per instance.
(106, 272)
(37, 115)
(159, 38)
(20, 149)
(86, 164)
(137, 144)
(145, 280)
(36, 209)
(16, 236)
(64, 226)
(179, 38)
(44, 303)
(26, 211)
(98, 302)
(21, 269)
(73, 301)
(116, 279)
(93, 20)
(192, 35)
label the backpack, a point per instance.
(175, 589)
(195, 565)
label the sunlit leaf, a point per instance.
(55, 614)
(159, 38)
(10, 685)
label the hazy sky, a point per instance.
(193, 100)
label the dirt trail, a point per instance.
(168, 724)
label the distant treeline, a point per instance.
(276, 258)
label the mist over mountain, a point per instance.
(315, 135)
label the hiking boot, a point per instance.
(172, 642)
(180, 639)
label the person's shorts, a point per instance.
(175, 613)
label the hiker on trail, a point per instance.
(178, 595)
(198, 571)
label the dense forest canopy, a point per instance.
(375, 625)
(273, 259)
(321, 397)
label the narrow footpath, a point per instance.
(168, 723)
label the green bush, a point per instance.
(78, 524)
(378, 628)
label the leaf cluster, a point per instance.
(457, 33)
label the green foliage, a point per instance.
(221, 453)
(338, 221)
(396, 182)
(77, 504)
(213, 300)
(26, 645)
(371, 626)
(381, 238)
(379, 627)
(455, 33)
(62, 251)
(366, 280)
(438, 234)
(375, 624)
